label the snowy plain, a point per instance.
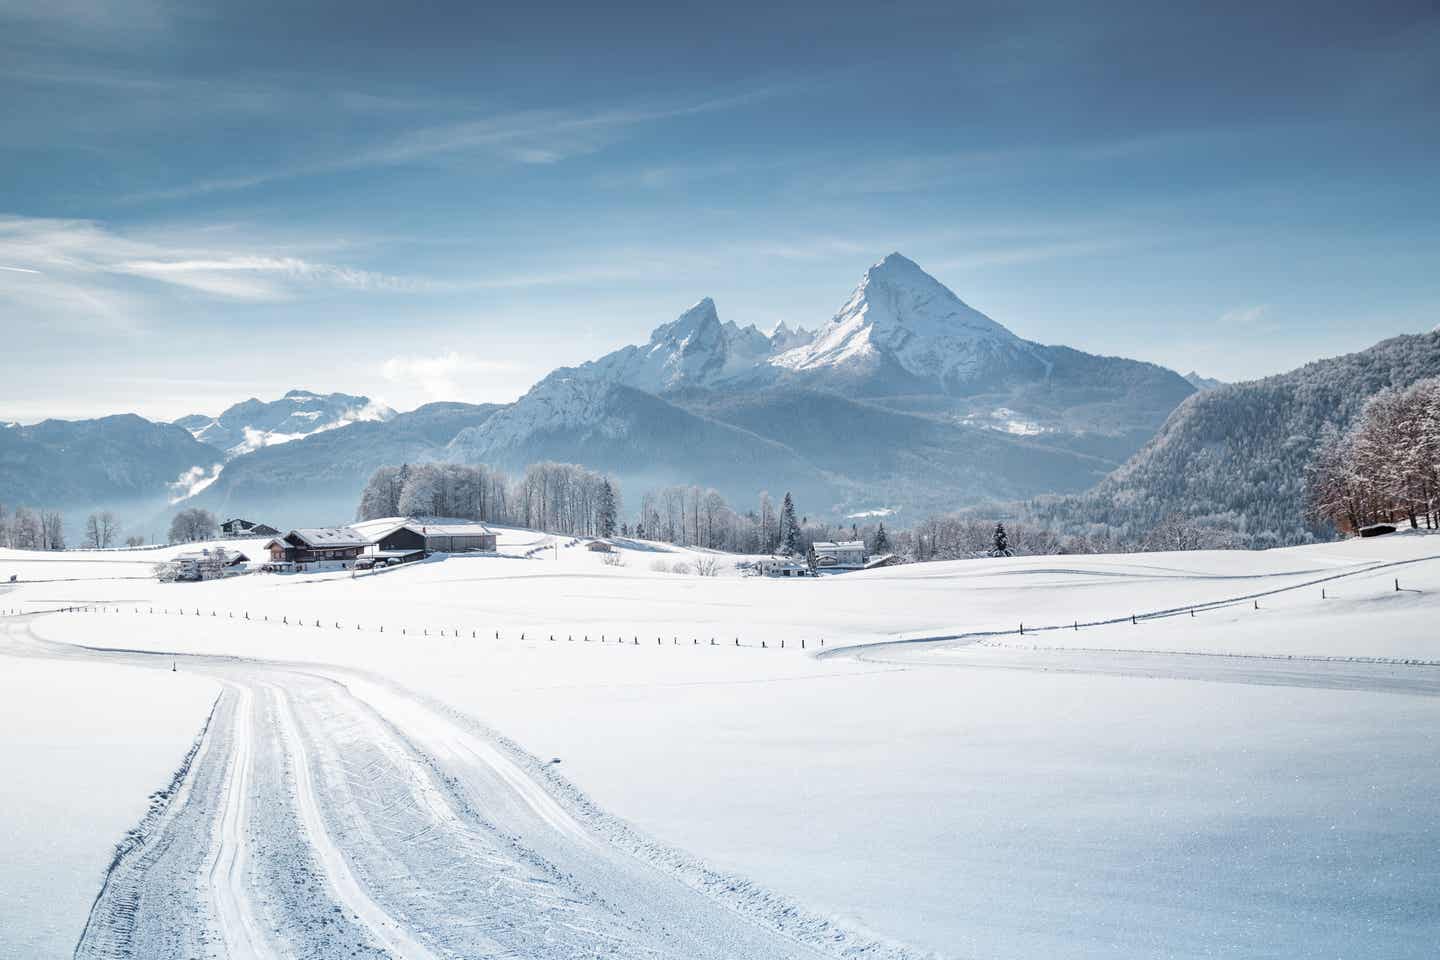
(975, 796)
(84, 746)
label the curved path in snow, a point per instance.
(326, 813)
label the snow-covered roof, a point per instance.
(839, 545)
(453, 528)
(381, 527)
(330, 537)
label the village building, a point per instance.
(310, 546)
(236, 528)
(840, 555)
(391, 539)
(782, 567)
(600, 546)
(204, 564)
(404, 537)
(462, 536)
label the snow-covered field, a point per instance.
(84, 746)
(1239, 783)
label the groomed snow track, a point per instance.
(326, 813)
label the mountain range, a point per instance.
(251, 424)
(906, 400)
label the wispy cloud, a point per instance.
(80, 277)
(1244, 317)
(449, 375)
(519, 137)
(110, 22)
(84, 253)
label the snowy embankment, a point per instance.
(963, 798)
(84, 748)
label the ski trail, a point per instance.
(386, 929)
(467, 749)
(239, 927)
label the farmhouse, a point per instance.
(311, 545)
(203, 564)
(406, 535)
(456, 536)
(841, 555)
(391, 538)
(236, 527)
(782, 567)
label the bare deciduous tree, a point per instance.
(192, 524)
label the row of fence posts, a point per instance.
(675, 640)
(404, 631)
(1135, 618)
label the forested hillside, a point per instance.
(1233, 459)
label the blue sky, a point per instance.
(200, 203)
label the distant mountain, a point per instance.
(317, 479)
(902, 331)
(107, 462)
(252, 424)
(907, 397)
(1234, 457)
(1203, 383)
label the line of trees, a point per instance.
(573, 500)
(1386, 467)
(570, 499)
(558, 497)
(29, 529)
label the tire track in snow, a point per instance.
(347, 889)
(501, 873)
(228, 887)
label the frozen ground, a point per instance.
(1132, 795)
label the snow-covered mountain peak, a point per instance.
(901, 316)
(696, 321)
(252, 424)
(695, 349)
(785, 337)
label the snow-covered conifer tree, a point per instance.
(605, 510)
(1000, 545)
(789, 528)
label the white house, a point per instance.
(203, 564)
(782, 567)
(840, 555)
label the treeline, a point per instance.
(569, 499)
(971, 533)
(557, 497)
(28, 529)
(1386, 467)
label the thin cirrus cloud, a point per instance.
(527, 137)
(83, 263)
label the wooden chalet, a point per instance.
(317, 545)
